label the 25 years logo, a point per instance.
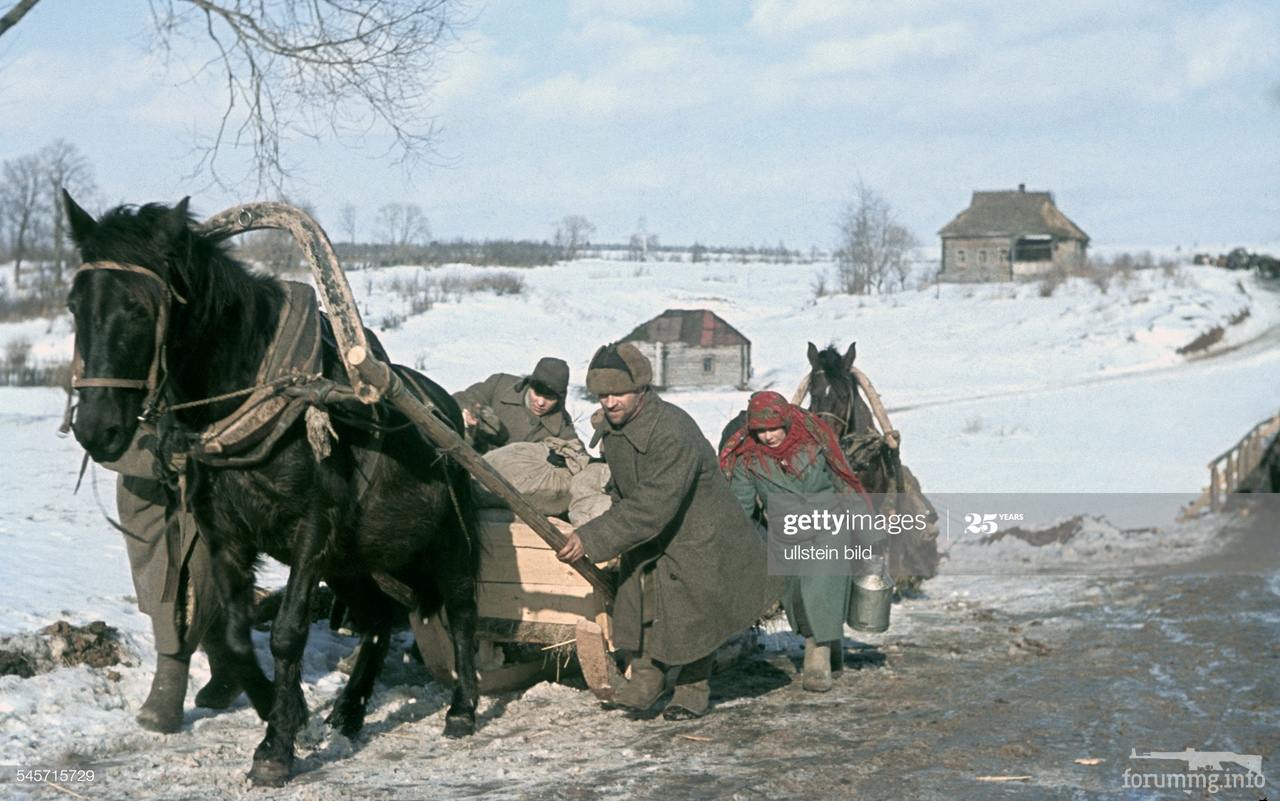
(987, 522)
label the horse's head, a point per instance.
(122, 297)
(832, 394)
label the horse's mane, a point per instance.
(198, 267)
(831, 362)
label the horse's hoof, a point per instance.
(459, 725)
(269, 773)
(220, 693)
(348, 722)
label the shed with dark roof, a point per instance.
(1009, 234)
(693, 347)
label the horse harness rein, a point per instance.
(847, 421)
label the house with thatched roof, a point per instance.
(1009, 234)
(693, 348)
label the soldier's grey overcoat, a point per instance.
(675, 511)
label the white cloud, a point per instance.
(791, 16)
(640, 176)
(622, 71)
(628, 9)
(885, 49)
(474, 67)
(1223, 44)
(568, 95)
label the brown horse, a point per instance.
(834, 395)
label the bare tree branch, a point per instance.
(313, 68)
(16, 13)
(874, 248)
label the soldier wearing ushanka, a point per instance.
(506, 408)
(692, 569)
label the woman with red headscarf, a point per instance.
(784, 449)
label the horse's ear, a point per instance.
(179, 217)
(850, 355)
(82, 223)
(813, 357)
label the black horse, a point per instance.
(164, 316)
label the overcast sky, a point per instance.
(1153, 121)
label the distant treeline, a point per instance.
(528, 253)
(489, 253)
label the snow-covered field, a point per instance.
(995, 388)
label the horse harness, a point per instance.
(289, 384)
(847, 421)
(153, 382)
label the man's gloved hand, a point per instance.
(555, 460)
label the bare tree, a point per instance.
(306, 68)
(64, 168)
(641, 242)
(21, 195)
(402, 225)
(573, 234)
(874, 247)
(347, 218)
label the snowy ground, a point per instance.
(995, 388)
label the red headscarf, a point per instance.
(805, 432)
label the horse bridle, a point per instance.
(153, 380)
(846, 422)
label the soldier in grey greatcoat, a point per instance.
(693, 570)
(173, 579)
(506, 408)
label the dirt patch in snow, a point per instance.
(61, 644)
(1203, 342)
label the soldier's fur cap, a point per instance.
(618, 368)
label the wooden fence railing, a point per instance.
(1228, 470)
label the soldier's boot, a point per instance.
(837, 658)
(643, 689)
(162, 711)
(693, 691)
(222, 689)
(817, 666)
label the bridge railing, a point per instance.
(1229, 470)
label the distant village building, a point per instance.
(693, 348)
(1010, 234)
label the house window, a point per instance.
(960, 256)
(982, 257)
(708, 364)
(1034, 248)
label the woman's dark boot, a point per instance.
(162, 711)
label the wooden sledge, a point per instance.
(526, 596)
